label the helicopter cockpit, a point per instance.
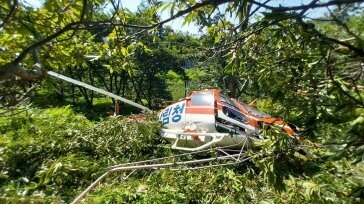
(253, 111)
(231, 110)
(203, 98)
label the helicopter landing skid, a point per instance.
(193, 141)
(176, 163)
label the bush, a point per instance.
(55, 151)
(52, 155)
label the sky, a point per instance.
(176, 24)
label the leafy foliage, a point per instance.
(308, 71)
(34, 164)
(34, 167)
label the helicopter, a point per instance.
(203, 122)
(208, 118)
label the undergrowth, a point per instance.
(51, 155)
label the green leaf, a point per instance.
(124, 51)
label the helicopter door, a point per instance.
(200, 111)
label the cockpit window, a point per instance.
(234, 114)
(205, 98)
(253, 111)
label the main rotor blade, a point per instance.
(88, 86)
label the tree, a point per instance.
(300, 68)
(309, 72)
(81, 18)
(55, 32)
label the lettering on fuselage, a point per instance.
(172, 113)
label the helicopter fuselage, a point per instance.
(208, 118)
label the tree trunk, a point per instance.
(243, 14)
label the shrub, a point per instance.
(55, 151)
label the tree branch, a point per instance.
(338, 85)
(13, 68)
(10, 69)
(307, 6)
(313, 2)
(342, 24)
(311, 29)
(84, 10)
(11, 13)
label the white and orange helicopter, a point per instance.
(208, 119)
(203, 122)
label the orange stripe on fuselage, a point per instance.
(207, 111)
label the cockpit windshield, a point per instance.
(253, 111)
(203, 98)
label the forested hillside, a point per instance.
(302, 62)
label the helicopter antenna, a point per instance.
(101, 91)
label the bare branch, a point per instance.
(258, 7)
(26, 95)
(313, 2)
